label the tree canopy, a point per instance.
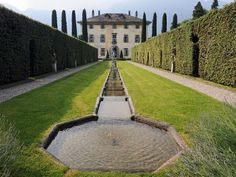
(154, 24)
(198, 11)
(84, 26)
(144, 28)
(54, 19)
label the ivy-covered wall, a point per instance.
(28, 48)
(205, 47)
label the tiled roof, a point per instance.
(108, 18)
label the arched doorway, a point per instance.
(148, 58)
(195, 55)
(160, 58)
(32, 49)
(114, 52)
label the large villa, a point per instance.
(114, 32)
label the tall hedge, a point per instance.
(211, 37)
(27, 48)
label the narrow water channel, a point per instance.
(114, 142)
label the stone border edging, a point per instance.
(130, 102)
(66, 125)
(128, 98)
(11, 92)
(170, 131)
(100, 97)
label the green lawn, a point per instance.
(36, 112)
(156, 97)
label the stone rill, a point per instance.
(114, 142)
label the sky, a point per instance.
(40, 10)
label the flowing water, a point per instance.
(114, 142)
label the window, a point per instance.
(90, 26)
(137, 38)
(126, 26)
(102, 38)
(126, 52)
(91, 38)
(114, 26)
(114, 36)
(102, 26)
(126, 38)
(103, 52)
(137, 26)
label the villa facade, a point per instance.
(113, 33)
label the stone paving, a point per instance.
(114, 107)
(8, 93)
(218, 93)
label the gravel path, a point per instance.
(8, 93)
(218, 93)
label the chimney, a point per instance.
(129, 13)
(99, 13)
(136, 14)
(93, 13)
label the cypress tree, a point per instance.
(154, 25)
(215, 4)
(63, 22)
(164, 23)
(175, 22)
(74, 27)
(84, 26)
(121, 55)
(198, 11)
(54, 19)
(144, 28)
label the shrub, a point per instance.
(10, 148)
(214, 147)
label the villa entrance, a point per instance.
(115, 52)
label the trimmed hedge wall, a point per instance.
(28, 48)
(205, 47)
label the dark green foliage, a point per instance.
(63, 22)
(10, 148)
(175, 22)
(214, 147)
(27, 48)
(164, 23)
(198, 11)
(121, 55)
(84, 26)
(54, 19)
(144, 28)
(107, 55)
(74, 27)
(215, 4)
(154, 25)
(204, 47)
